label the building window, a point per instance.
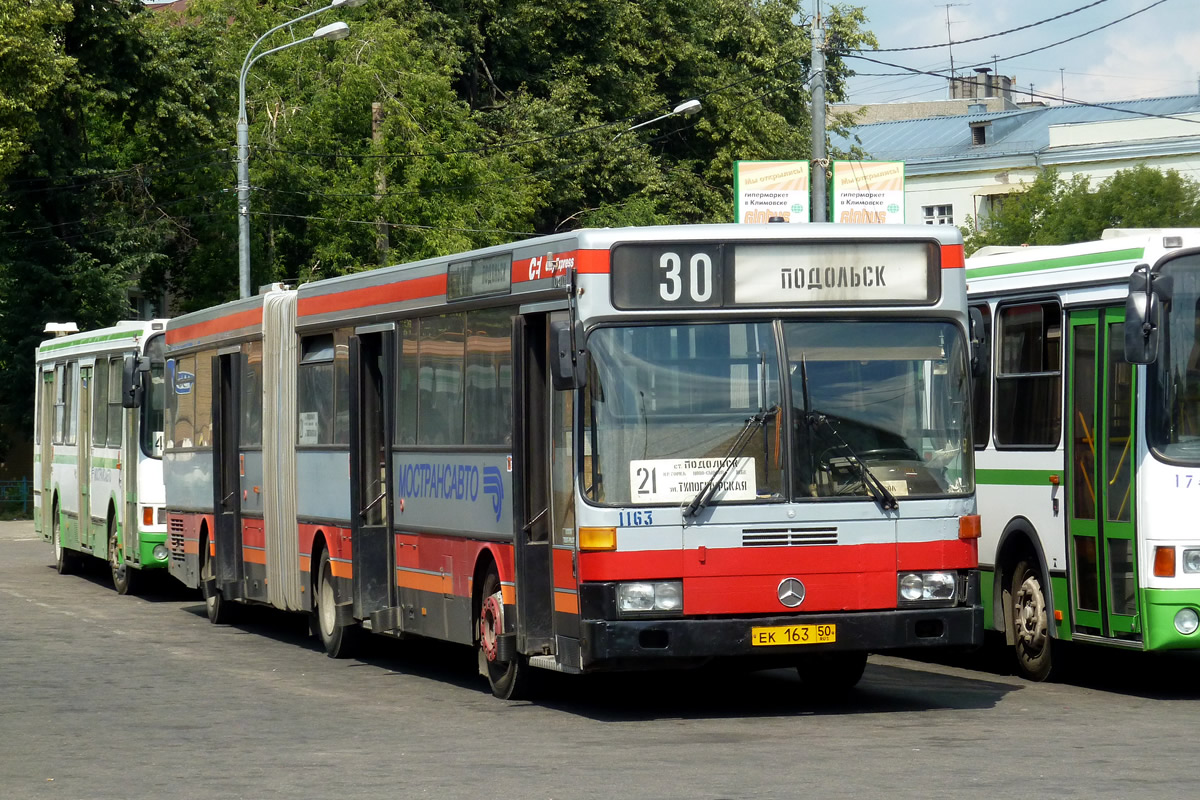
(938, 215)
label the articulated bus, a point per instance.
(97, 451)
(600, 450)
(1088, 466)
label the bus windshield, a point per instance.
(667, 407)
(1173, 408)
(154, 400)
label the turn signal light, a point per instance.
(597, 538)
(1164, 562)
(968, 527)
(147, 515)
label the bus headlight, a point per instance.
(919, 586)
(1191, 560)
(649, 598)
(1187, 621)
(160, 552)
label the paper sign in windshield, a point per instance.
(679, 480)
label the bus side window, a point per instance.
(981, 389)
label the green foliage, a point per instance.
(1056, 211)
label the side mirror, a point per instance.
(981, 346)
(568, 357)
(132, 383)
(1144, 314)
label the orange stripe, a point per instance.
(566, 602)
(191, 546)
(306, 563)
(508, 595)
(341, 569)
(953, 257)
(423, 582)
(254, 556)
(242, 319)
(368, 296)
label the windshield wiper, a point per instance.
(705, 495)
(883, 496)
(887, 501)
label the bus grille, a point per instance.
(175, 533)
(784, 537)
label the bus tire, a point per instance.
(509, 680)
(124, 577)
(832, 672)
(65, 561)
(1032, 644)
(219, 610)
(339, 641)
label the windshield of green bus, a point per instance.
(1173, 406)
(154, 399)
(670, 409)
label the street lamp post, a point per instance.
(687, 108)
(331, 32)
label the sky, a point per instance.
(1155, 53)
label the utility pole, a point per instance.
(382, 244)
(950, 41)
(819, 159)
(1062, 85)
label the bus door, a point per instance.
(84, 439)
(543, 473)
(127, 481)
(371, 540)
(1100, 451)
(46, 435)
(227, 481)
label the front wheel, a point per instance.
(832, 672)
(509, 678)
(1031, 623)
(125, 577)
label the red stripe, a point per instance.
(589, 262)
(953, 257)
(398, 292)
(251, 318)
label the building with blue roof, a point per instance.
(963, 165)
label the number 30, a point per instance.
(700, 277)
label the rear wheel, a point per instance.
(1031, 623)
(510, 678)
(836, 672)
(65, 561)
(339, 641)
(125, 577)
(220, 610)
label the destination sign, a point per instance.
(479, 277)
(835, 274)
(711, 275)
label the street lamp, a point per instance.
(330, 33)
(687, 108)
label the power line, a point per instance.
(1068, 100)
(981, 38)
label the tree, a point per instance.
(1053, 211)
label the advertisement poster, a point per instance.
(868, 192)
(766, 189)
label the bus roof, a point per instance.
(1108, 260)
(120, 337)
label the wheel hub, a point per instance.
(491, 622)
(1031, 615)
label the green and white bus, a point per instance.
(97, 452)
(1088, 463)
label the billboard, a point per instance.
(868, 192)
(765, 189)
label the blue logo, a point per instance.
(493, 485)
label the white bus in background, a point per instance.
(97, 453)
(1088, 467)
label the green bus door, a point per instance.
(1100, 453)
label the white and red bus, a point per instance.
(606, 449)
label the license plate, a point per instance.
(793, 634)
